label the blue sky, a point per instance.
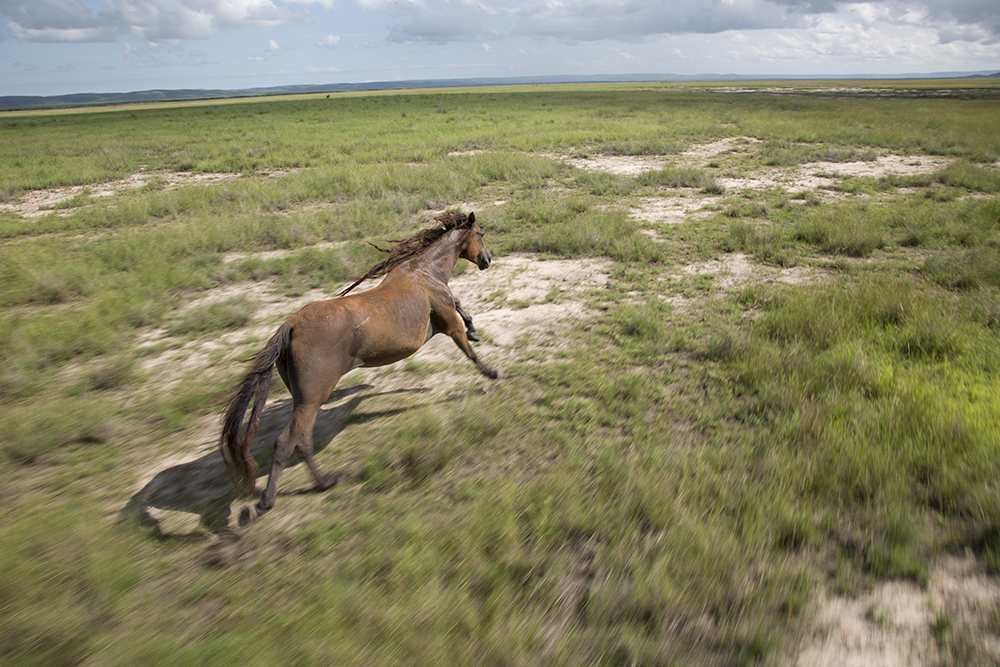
(52, 47)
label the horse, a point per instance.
(325, 339)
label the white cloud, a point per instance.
(415, 21)
(272, 47)
(155, 21)
(176, 20)
(55, 21)
(61, 34)
(327, 4)
(818, 26)
(146, 55)
(631, 20)
(638, 20)
(329, 42)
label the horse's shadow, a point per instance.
(204, 487)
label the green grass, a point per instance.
(672, 485)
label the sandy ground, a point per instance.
(690, 204)
(894, 625)
(37, 203)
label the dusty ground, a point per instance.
(37, 203)
(523, 308)
(896, 623)
(817, 177)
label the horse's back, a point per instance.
(371, 328)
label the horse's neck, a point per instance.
(441, 257)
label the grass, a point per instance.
(671, 487)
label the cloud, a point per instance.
(327, 4)
(145, 55)
(272, 48)
(632, 20)
(168, 21)
(416, 22)
(330, 41)
(55, 21)
(444, 21)
(155, 21)
(638, 20)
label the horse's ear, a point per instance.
(472, 218)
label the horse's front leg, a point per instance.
(449, 322)
(470, 329)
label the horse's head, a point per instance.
(474, 249)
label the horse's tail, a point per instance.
(255, 386)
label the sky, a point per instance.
(56, 47)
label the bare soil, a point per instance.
(818, 177)
(37, 203)
(900, 623)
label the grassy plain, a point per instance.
(678, 481)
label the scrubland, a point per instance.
(751, 337)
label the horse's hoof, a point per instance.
(249, 514)
(328, 482)
(472, 335)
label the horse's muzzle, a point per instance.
(484, 261)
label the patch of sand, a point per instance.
(711, 149)
(894, 625)
(736, 270)
(38, 203)
(625, 165)
(674, 210)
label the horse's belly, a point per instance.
(384, 352)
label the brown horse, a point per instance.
(326, 339)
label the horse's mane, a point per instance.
(409, 248)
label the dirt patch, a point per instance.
(624, 165)
(737, 270)
(714, 148)
(675, 209)
(271, 307)
(899, 623)
(815, 176)
(822, 175)
(38, 203)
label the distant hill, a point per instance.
(8, 103)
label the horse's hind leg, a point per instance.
(299, 426)
(305, 450)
